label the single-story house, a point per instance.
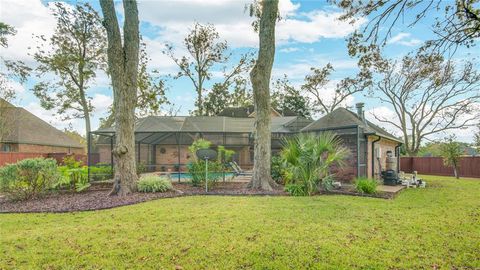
(24, 132)
(162, 142)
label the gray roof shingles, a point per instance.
(27, 128)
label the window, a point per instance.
(6, 148)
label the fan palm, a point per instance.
(309, 157)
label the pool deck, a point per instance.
(390, 189)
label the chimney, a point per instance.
(360, 112)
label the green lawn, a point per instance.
(421, 228)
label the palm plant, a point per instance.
(309, 157)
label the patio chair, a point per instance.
(238, 170)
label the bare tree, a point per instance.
(123, 62)
(260, 77)
(316, 85)
(429, 95)
(455, 22)
(69, 61)
(205, 50)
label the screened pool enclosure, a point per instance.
(162, 142)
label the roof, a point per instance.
(27, 128)
(212, 124)
(342, 117)
(244, 112)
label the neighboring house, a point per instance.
(25, 133)
(162, 142)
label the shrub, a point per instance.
(73, 178)
(101, 172)
(197, 145)
(296, 190)
(277, 169)
(365, 185)
(309, 157)
(70, 162)
(141, 168)
(327, 183)
(154, 184)
(197, 170)
(28, 178)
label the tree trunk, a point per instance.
(123, 67)
(455, 172)
(260, 77)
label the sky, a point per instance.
(309, 35)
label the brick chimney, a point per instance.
(360, 112)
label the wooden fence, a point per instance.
(469, 166)
(13, 157)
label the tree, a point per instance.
(287, 97)
(69, 61)
(150, 92)
(123, 62)
(221, 96)
(260, 77)
(151, 87)
(11, 70)
(451, 152)
(458, 24)
(315, 85)
(477, 137)
(205, 51)
(429, 95)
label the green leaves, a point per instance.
(28, 178)
(154, 184)
(309, 157)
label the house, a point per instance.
(23, 132)
(367, 142)
(162, 142)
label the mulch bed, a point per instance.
(97, 198)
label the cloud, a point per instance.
(101, 103)
(29, 18)
(405, 39)
(172, 20)
(289, 49)
(302, 67)
(314, 26)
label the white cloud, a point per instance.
(172, 20)
(405, 39)
(302, 67)
(101, 103)
(314, 26)
(29, 18)
(289, 49)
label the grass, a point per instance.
(421, 228)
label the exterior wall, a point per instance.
(12, 147)
(381, 148)
(33, 148)
(349, 171)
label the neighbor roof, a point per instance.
(26, 128)
(247, 111)
(212, 124)
(342, 117)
